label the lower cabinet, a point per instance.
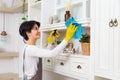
(48, 63)
(79, 67)
(61, 66)
(75, 67)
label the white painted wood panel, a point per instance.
(117, 38)
(104, 39)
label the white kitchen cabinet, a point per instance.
(48, 63)
(80, 9)
(104, 60)
(107, 45)
(75, 65)
(80, 66)
(34, 10)
(116, 45)
(61, 65)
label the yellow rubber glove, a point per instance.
(70, 32)
(50, 39)
(54, 34)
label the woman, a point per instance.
(33, 55)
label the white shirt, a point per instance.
(32, 53)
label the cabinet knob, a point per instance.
(111, 23)
(62, 63)
(115, 23)
(79, 67)
(48, 60)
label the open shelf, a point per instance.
(14, 9)
(36, 4)
(50, 27)
(61, 25)
(9, 76)
(73, 3)
(8, 54)
(74, 55)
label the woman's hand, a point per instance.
(70, 32)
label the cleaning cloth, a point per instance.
(79, 31)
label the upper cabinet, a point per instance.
(101, 18)
(116, 19)
(107, 46)
(79, 9)
(34, 10)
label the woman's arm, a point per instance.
(38, 52)
(51, 53)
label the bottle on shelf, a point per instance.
(67, 15)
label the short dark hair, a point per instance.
(27, 26)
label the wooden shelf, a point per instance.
(14, 9)
(36, 4)
(9, 76)
(8, 54)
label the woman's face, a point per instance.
(35, 33)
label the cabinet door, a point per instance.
(104, 38)
(117, 37)
(48, 64)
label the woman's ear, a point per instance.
(28, 34)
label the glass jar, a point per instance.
(67, 15)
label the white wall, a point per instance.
(13, 43)
(12, 22)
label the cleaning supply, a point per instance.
(67, 15)
(70, 32)
(56, 34)
(79, 31)
(53, 34)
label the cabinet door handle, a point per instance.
(48, 60)
(79, 67)
(111, 23)
(115, 23)
(62, 63)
